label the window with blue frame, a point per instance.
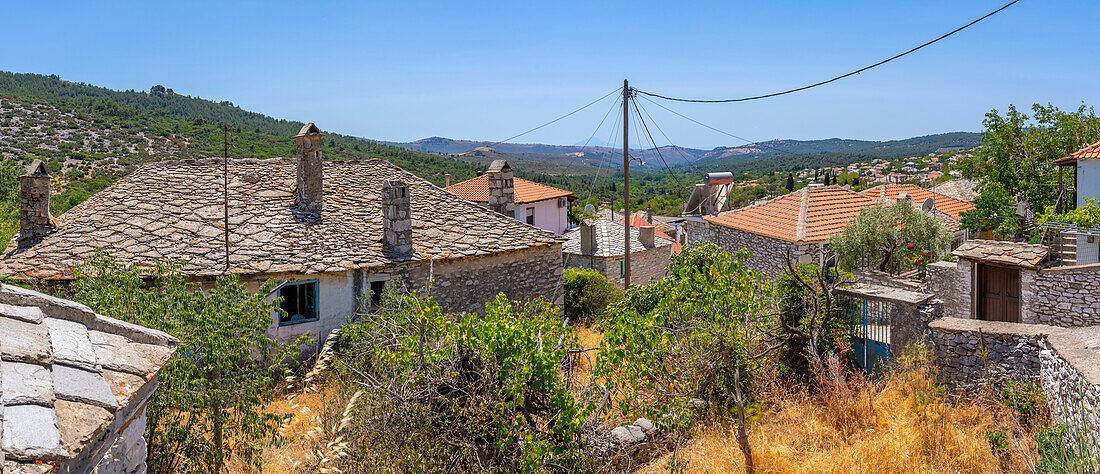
(622, 268)
(299, 302)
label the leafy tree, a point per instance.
(587, 293)
(210, 403)
(874, 238)
(1017, 155)
(994, 211)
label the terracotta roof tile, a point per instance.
(477, 190)
(808, 215)
(638, 221)
(1090, 152)
(888, 193)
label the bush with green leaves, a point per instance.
(876, 239)
(210, 406)
(462, 392)
(587, 293)
(684, 336)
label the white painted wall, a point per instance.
(547, 215)
(335, 303)
(1088, 180)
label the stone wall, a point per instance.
(1012, 350)
(909, 312)
(128, 453)
(645, 266)
(951, 283)
(769, 255)
(1058, 296)
(466, 284)
(876, 277)
(1065, 362)
(1062, 296)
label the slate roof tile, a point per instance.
(24, 342)
(26, 384)
(267, 233)
(609, 240)
(1006, 253)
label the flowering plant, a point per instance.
(917, 258)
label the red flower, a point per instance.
(910, 247)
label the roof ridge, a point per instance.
(800, 228)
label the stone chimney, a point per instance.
(588, 237)
(501, 189)
(397, 216)
(34, 206)
(308, 194)
(645, 235)
(447, 178)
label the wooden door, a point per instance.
(998, 293)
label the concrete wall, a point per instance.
(1057, 296)
(768, 254)
(547, 215)
(645, 266)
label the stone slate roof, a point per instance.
(1015, 254)
(174, 210)
(69, 378)
(958, 188)
(888, 193)
(811, 214)
(477, 190)
(609, 240)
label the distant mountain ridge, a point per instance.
(719, 156)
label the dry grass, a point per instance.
(290, 457)
(900, 425)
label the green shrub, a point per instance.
(587, 293)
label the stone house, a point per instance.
(332, 234)
(74, 386)
(599, 244)
(542, 206)
(796, 225)
(1077, 246)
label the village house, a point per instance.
(73, 386)
(542, 206)
(946, 209)
(796, 226)
(599, 244)
(332, 234)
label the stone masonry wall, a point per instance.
(768, 255)
(1063, 361)
(951, 283)
(1063, 296)
(645, 266)
(127, 454)
(466, 284)
(1012, 350)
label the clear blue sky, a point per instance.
(403, 70)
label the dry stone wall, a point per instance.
(950, 282)
(1063, 296)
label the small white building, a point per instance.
(542, 206)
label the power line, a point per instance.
(594, 132)
(669, 140)
(654, 143)
(557, 119)
(837, 78)
(746, 140)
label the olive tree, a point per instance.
(878, 236)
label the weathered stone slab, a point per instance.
(123, 385)
(26, 384)
(24, 342)
(79, 423)
(71, 344)
(31, 433)
(12, 467)
(30, 314)
(79, 385)
(117, 353)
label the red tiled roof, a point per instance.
(477, 190)
(810, 214)
(1090, 152)
(947, 204)
(638, 221)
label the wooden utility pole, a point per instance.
(626, 185)
(225, 188)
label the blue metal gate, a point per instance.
(869, 332)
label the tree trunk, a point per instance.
(742, 435)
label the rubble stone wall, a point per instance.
(768, 254)
(645, 266)
(951, 283)
(1062, 296)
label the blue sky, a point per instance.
(485, 70)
